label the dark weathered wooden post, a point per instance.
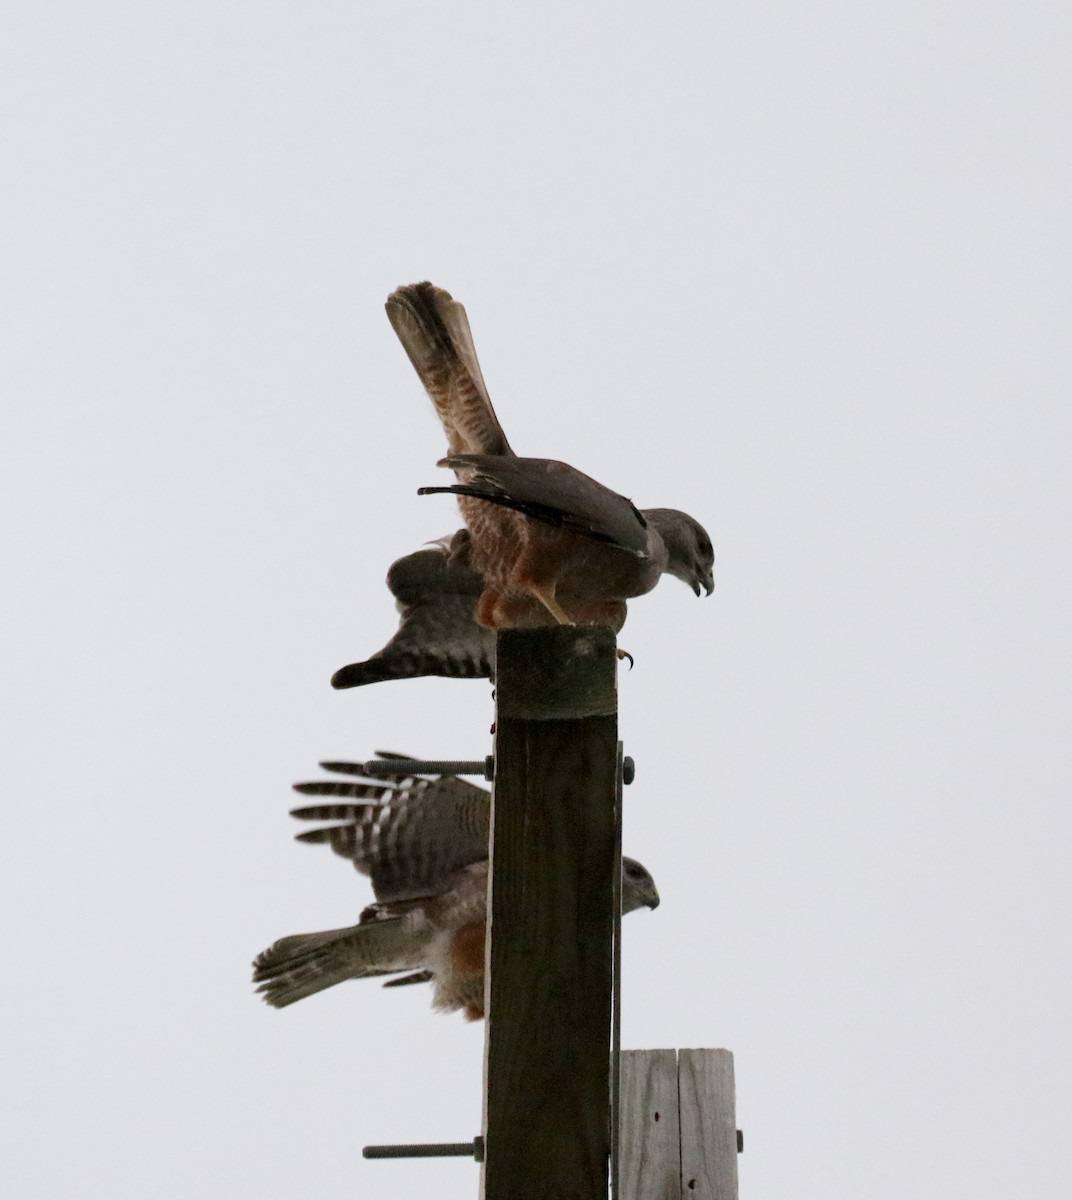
(555, 859)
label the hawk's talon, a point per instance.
(625, 654)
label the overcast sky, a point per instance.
(799, 269)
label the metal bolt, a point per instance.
(415, 766)
(628, 770)
(473, 1149)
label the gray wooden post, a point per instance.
(708, 1124)
(549, 950)
(678, 1127)
(649, 1156)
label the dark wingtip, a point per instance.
(341, 768)
(307, 835)
(415, 977)
(359, 673)
(344, 676)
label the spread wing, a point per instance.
(424, 841)
(411, 835)
(434, 331)
(436, 593)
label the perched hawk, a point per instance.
(436, 592)
(551, 544)
(424, 843)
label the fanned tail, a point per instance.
(307, 963)
(434, 331)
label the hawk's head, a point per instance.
(638, 887)
(688, 547)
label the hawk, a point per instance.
(436, 592)
(551, 544)
(424, 843)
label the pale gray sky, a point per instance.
(800, 269)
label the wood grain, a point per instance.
(561, 671)
(549, 976)
(708, 1125)
(649, 1155)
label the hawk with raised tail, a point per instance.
(424, 843)
(550, 543)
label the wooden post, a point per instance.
(549, 948)
(649, 1156)
(678, 1136)
(708, 1124)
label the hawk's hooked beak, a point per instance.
(653, 899)
(704, 579)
